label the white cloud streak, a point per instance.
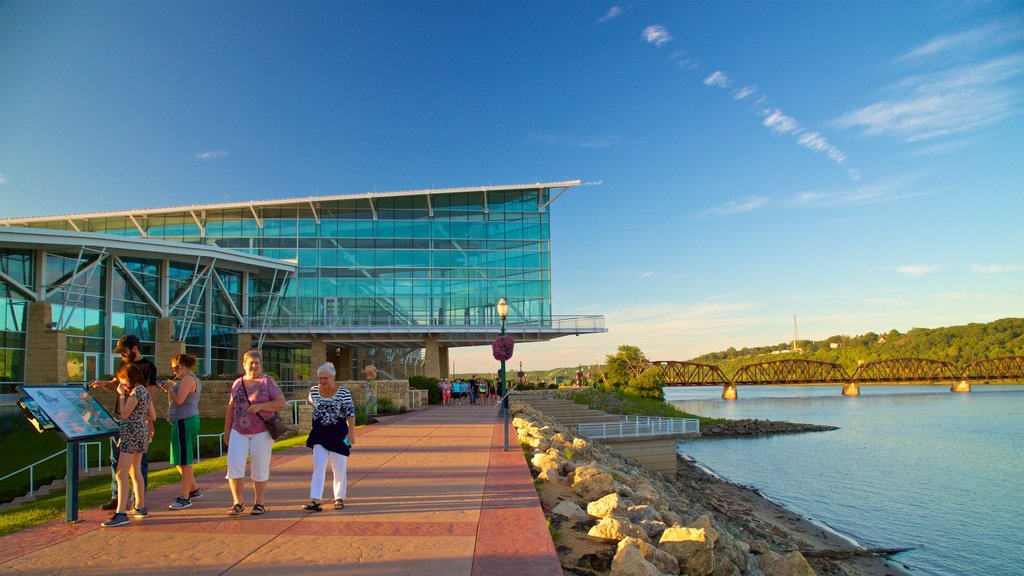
(593, 183)
(3, 179)
(888, 190)
(612, 13)
(212, 154)
(975, 90)
(995, 268)
(718, 78)
(744, 93)
(657, 35)
(917, 270)
(740, 206)
(592, 142)
(683, 60)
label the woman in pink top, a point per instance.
(254, 397)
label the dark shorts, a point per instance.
(183, 440)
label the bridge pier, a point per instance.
(851, 389)
(961, 386)
(729, 392)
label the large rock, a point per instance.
(547, 464)
(664, 561)
(594, 486)
(570, 510)
(630, 561)
(608, 505)
(612, 528)
(791, 564)
(693, 546)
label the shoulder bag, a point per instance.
(275, 424)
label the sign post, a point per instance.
(76, 416)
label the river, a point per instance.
(910, 466)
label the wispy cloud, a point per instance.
(657, 35)
(683, 60)
(995, 268)
(916, 270)
(3, 179)
(212, 154)
(612, 13)
(739, 206)
(562, 140)
(888, 190)
(718, 78)
(593, 183)
(967, 42)
(744, 93)
(970, 90)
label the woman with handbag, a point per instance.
(255, 398)
(332, 434)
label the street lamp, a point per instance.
(502, 313)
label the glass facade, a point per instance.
(396, 260)
(16, 264)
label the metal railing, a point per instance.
(639, 426)
(586, 323)
(220, 443)
(83, 448)
(294, 404)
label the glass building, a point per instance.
(392, 278)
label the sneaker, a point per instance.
(140, 512)
(118, 519)
(180, 503)
(197, 493)
(112, 505)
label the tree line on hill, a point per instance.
(630, 370)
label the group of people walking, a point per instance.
(471, 391)
(253, 398)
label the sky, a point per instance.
(856, 165)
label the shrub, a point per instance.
(386, 406)
(429, 384)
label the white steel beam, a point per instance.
(137, 225)
(255, 216)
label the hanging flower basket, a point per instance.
(502, 348)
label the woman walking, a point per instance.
(183, 414)
(333, 432)
(254, 397)
(136, 409)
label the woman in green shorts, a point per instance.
(183, 414)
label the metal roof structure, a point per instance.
(310, 200)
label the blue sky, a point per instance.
(857, 164)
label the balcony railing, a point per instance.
(639, 426)
(582, 324)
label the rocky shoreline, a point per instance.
(746, 427)
(610, 516)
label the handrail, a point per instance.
(83, 447)
(557, 322)
(220, 445)
(638, 426)
(295, 408)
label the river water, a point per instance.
(910, 466)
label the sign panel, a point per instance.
(76, 414)
(35, 414)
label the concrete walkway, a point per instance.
(430, 492)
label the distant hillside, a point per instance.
(957, 344)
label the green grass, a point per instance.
(96, 490)
(619, 402)
(22, 445)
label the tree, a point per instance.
(649, 384)
(625, 365)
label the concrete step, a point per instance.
(48, 489)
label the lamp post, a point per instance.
(502, 313)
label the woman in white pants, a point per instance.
(332, 434)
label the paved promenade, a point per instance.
(430, 492)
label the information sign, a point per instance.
(76, 415)
(35, 415)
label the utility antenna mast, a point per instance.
(795, 335)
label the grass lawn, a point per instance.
(96, 490)
(619, 402)
(22, 445)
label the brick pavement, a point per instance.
(430, 492)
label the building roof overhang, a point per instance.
(35, 238)
(310, 201)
